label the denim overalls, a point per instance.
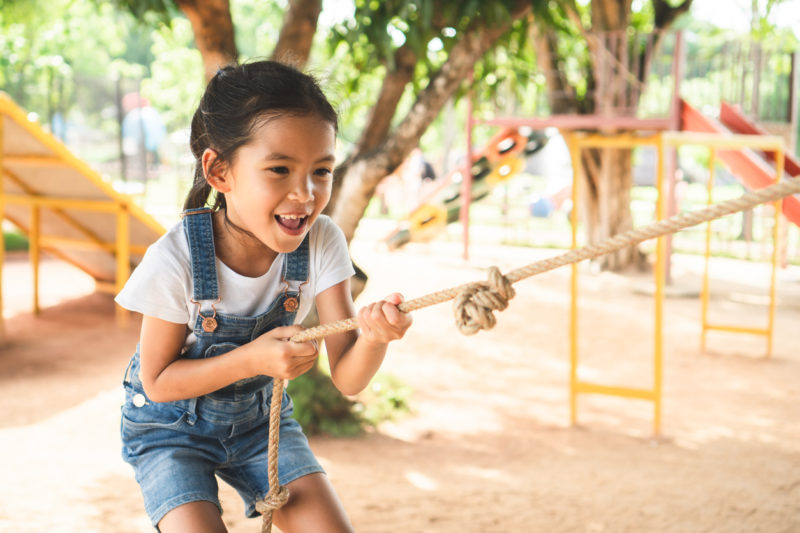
(176, 448)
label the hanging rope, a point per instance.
(476, 301)
(278, 495)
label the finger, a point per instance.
(308, 349)
(393, 315)
(395, 298)
(365, 315)
(376, 311)
(285, 332)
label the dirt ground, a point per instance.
(489, 446)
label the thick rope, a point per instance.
(476, 300)
(473, 306)
(612, 244)
(278, 495)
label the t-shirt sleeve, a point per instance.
(332, 258)
(158, 286)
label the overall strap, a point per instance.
(295, 267)
(200, 234)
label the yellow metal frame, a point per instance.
(117, 203)
(576, 143)
(2, 217)
(714, 142)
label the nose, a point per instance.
(303, 188)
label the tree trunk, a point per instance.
(213, 32)
(561, 94)
(394, 84)
(365, 170)
(380, 118)
(297, 32)
(605, 202)
(605, 198)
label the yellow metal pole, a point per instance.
(53, 202)
(575, 150)
(762, 142)
(661, 257)
(776, 239)
(123, 258)
(2, 218)
(34, 248)
(706, 283)
(620, 140)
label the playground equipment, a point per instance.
(502, 158)
(754, 170)
(751, 168)
(661, 141)
(665, 132)
(65, 208)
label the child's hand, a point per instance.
(275, 355)
(381, 322)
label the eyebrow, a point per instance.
(330, 158)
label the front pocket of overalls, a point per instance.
(219, 349)
(139, 412)
(287, 404)
(141, 416)
(152, 425)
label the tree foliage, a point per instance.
(389, 67)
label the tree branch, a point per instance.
(213, 32)
(297, 32)
(665, 14)
(560, 93)
(394, 84)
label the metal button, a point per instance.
(139, 400)
(290, 304)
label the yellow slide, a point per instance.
(66, 208)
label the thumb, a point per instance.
(395, 298)
(285, 332)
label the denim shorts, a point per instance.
(178, 448)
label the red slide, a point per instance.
(753, 169)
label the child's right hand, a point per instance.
(273, 354)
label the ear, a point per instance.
(215, 171)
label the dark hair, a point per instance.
(236, 99)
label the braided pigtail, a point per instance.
(198, 142)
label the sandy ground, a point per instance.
(489, 446)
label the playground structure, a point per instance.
(733, 140)
(65, 208)
(501, 158)
(73, 213)
(661, 141)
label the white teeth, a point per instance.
(292, 217)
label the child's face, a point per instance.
(281, 180)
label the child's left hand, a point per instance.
(381, 322)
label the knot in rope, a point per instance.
(473, 306)
(273, 500)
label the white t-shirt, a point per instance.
(161, 285)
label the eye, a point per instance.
(323, 172)
(283, 171)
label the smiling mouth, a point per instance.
(291, 222)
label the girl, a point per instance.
(220, 294)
